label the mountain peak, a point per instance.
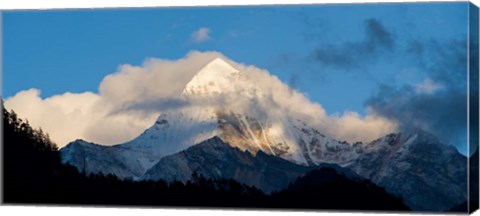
(219, 64)
(216, 77)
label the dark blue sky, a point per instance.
(341, 56)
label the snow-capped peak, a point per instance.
(215, 78)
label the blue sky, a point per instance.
(341, 56)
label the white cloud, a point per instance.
(282, 100)
(428, 86)
(130, 100)
(62, 116)
(201, 35)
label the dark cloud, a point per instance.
(356, 54)
(443, 61)
(443, 112)
(377, 35)
(149, 106)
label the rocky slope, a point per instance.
(215, 159)
(427, 174)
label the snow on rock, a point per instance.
(216, 77)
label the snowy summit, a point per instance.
(216, 77)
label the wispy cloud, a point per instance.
(200, 35)
(428, 86)
(357, 53)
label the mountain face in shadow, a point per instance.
(427, 174)
(289, 185)
(215, 159)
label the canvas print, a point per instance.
(345, 107)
